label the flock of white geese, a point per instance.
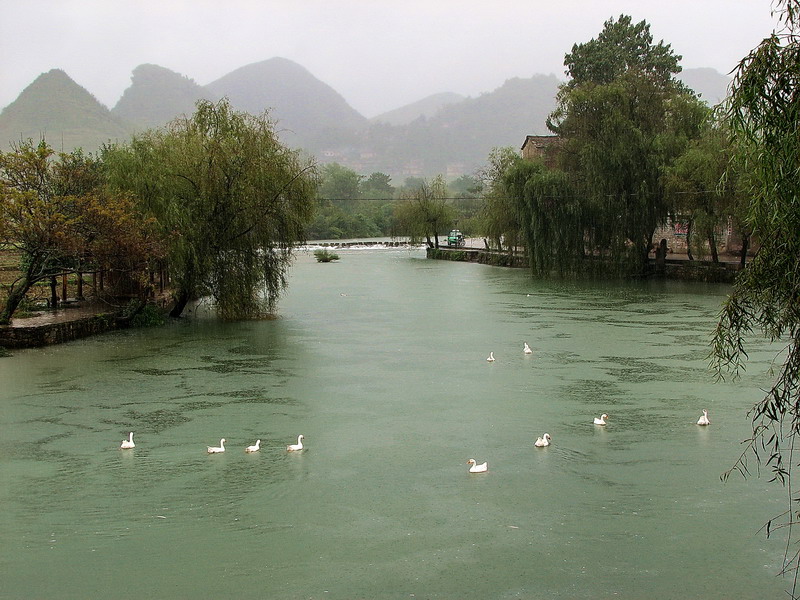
(128, 444)
(474, 466)
(544, 441)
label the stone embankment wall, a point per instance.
(55, 333)
(484, 257)
(685, 270)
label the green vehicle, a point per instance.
(456, 238)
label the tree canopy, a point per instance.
(57, 213)
(425, 212)
(232, 200)
(623, 118)
(622, 48)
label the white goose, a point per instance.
(704, 419)
(601, 420)
(217, 449)
(254, 448)
(477, 468)
(527, 349)
(297, 446)
(129, 442)
(491, 357)
(542, 441)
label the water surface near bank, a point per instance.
(379, 360)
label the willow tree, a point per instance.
(231, 198)
(623, 117)
(550, 217)
(764, 113)
(500, 215)
(424, 211)
(703, 189)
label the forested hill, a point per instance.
(427, 107)
(444, 134)
(156, 96)
(309, 111)
(68, 116)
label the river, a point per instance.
(379, 360)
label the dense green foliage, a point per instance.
(553, 222)
(56, 212)
(764, 113)
(232, 200)
(703, 190)
(425, 212)
(355, 206)
(325, 256)
(623, 119)
(500, 220)
(352, 206)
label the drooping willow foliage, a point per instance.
(232, 200)
(553, 221)
(764, 113)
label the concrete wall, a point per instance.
(684, 270)
(55, 333)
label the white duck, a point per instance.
(491, 357)
(217, 449)
(129, 442)
(542, 441)
(477, 468)
(704, 419)
(254, 448)
(527, 349)
(601, 420)
(297, 446)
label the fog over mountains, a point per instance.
(444, 133)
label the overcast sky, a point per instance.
(379, 54)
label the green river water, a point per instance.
(379, 360)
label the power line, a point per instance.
(551, 197)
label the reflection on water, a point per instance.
(379, 360)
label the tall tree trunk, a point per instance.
(180, 303)
(79, 292)
(53, 293)
(745, 248)
(712, 243)
(15, 296)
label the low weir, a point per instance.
(370, 244)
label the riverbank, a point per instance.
(676, 266)
(48, 327)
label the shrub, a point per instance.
(325, 255)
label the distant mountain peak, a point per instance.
(157, 95)
(710, 84)
(306, 108)
(53, 106)
(427, 108)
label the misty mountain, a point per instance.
(427, 107)
(443, 133)
(67, 115)
(458, 138)
(709, 83)
(156, 96)
(308, 111)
